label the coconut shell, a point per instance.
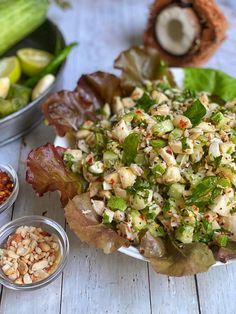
(213, 27)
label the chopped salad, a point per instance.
(163, 162)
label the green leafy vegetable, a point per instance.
(213, 81)
(145, 102)
(130, 147)
(201, 191)
(196, 112)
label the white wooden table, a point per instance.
(93, 282)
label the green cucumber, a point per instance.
(18, 19)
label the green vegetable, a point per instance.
(224, 183)
(217, 117)
(105, 219)
(69, 159)
(52, 66)
(156, 230)
(138, 220)
(159, 169)
(145, 102)
(18, 97)
(176, 190)
(9, 106)
(196, 112)
(159, 143)
(130, 147)
(116, 202)
(19, 91)
(163, 127)
(18, 19)
(184, 234)
(221, 240)
(233, 138)
(185, 143)
(109, 156)
(213, 81)
(175, 134)
(201, 191)
(107, 216)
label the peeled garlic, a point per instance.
(42, 85)
(4, 86)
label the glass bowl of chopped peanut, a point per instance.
(33, 252)
(9, 188)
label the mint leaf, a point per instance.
(145, 102)
(196, 112)
(130, 147)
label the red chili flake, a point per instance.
(89, 160)
(169, 151)
(142, 216)
(6, 186)
(112, 181)
(138, 112)
(182, 123)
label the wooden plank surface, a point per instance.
(93, 282)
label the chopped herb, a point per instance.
(130, 148)
(185, 144)
(145, 102)
(201, 191)
(196, 112)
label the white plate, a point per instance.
(132, 251)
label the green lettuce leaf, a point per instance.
(215, 82)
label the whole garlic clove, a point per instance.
(42, 85)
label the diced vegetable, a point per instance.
(217, 117)
(176, 190)
(159, 143)
(163, 127)
(116, 202)
(109, 156)
(185, 234)
(138, 220)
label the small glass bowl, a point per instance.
(47, 225)
(11, 199)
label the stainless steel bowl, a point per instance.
(47, 37)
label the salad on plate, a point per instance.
(151, 165)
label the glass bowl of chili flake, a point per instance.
(9, 187)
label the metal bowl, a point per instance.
(47, 37)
